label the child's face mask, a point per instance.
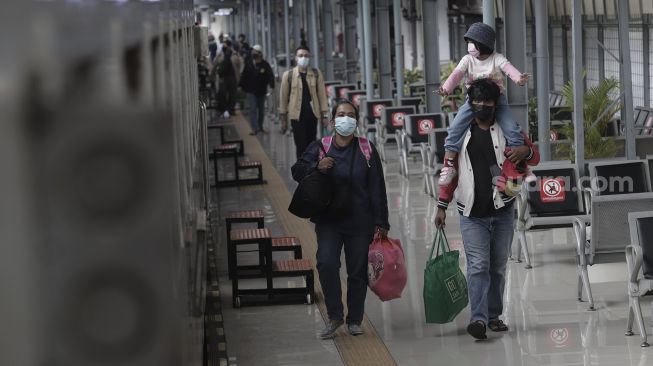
(471, 49)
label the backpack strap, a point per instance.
(366, 149)
(326, 144)
(363, 145)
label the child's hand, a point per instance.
(442, 92)
(523, 79)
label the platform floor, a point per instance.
(548, 326)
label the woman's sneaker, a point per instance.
(355, 329)
(330, 329)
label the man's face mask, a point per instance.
(483, 112)
(303, 60)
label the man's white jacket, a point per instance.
(464, 192)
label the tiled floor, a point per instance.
(548, 326)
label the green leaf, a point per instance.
(597, 100)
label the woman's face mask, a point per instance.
(471, 49)
(345, 125)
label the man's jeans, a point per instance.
(460, 125)
(487, 242)
(256, 106)
(329, 247)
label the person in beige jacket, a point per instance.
(303, 101)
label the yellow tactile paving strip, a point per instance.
(367, 349)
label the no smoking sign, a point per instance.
(552, 190)
(424, 126)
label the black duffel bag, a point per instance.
(316, 194)
(313, 194)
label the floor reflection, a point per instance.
(548, 326)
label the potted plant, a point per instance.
(598, 103)
(411, 76)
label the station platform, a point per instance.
(548, 325)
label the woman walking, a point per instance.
(355, 168)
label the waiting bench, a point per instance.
(639, 259)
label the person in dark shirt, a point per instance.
(486, 213)
(243, 47)
(354, 228)
(257, 76)
(228, 67)
(213, 48)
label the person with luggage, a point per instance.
(482, 62)
(257, 76)
(303, 101)
(357, 175)
(486, 213)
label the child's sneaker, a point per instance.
(512, 174)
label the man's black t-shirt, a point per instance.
(306, 111)
(481, 154)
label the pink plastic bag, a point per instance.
(386, 268)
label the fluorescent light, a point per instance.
(224, 12)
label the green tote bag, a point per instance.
(445, 287)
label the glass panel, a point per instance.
(568, 8)
(647, 7)
(637, 65)
(552, 8)
(599, 7)
(610, 9)
(588, 8)
(498, 8)
(556, 57)
(561, 8)
(635, 11)
(591, 56)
